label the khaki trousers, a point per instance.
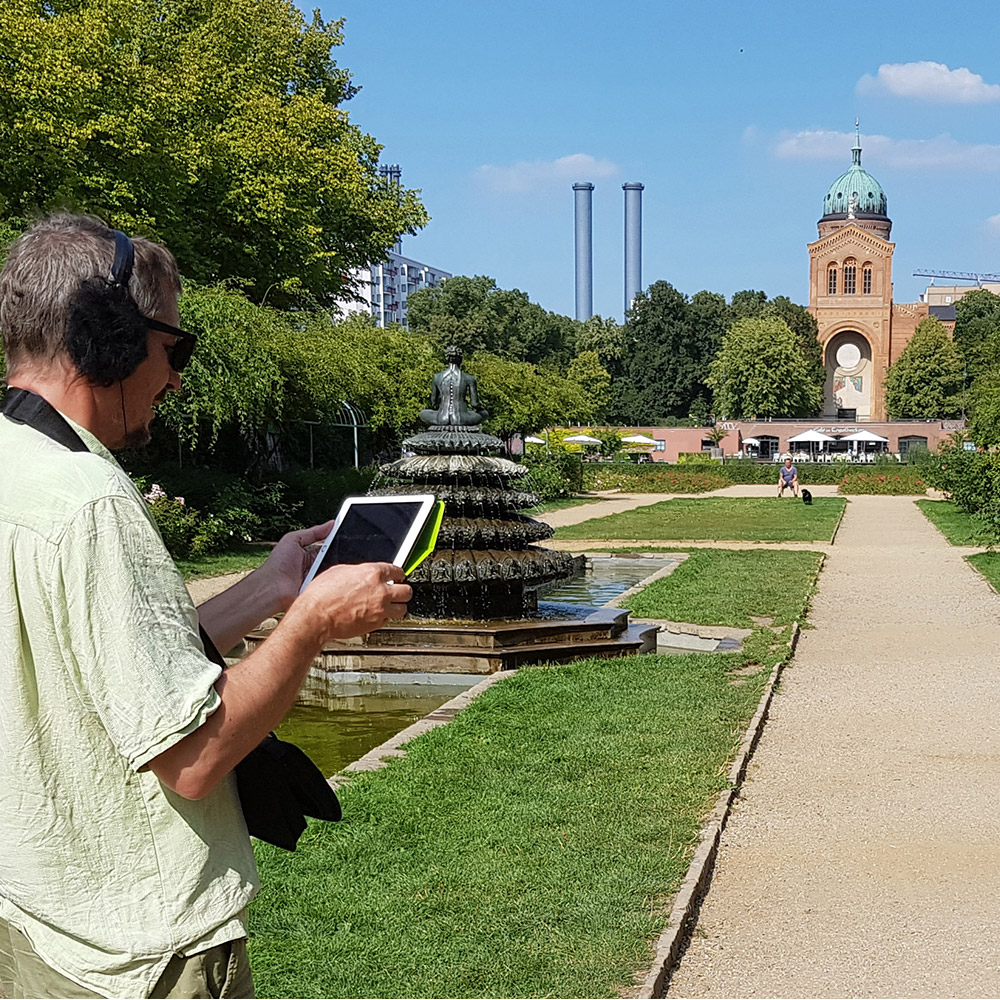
(222, 971)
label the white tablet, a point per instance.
(374, 529)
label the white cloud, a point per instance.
(930, 81)
(527, 177)
(904, 154)
(993, 225)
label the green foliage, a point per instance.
(904, 481)
(926, 380)
(215, 128)
(556, 474)
(606, 338)
(697, 458)
(660, 478)
(760, 371)
(522, 397)
(317, 494)
(668, 343)
(586, 371)
(971, 479)
(477, 316)
(984, 409)
(977, 330)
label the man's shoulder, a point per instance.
(45, 483)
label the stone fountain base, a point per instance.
(483, 647)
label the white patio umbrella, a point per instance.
(581, 439)
(752, 442)
(866, 436)
(811, 436)
(638, 439)
(531, 439)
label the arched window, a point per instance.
(831, 280)
(850, 276)
(866, 279)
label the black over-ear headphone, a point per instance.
(106, 334)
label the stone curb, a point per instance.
(688, 900)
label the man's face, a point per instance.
(788, 463)
(149, 384)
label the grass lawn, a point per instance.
(759, 519)
(731, 586)
(988, 563)
(220, 563)
(956, 525)
(530, 848)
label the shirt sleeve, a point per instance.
(131, 631)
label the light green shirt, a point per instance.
(105, 870)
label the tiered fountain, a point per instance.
(475, 598)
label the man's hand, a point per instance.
(351, 600)
(286, 567)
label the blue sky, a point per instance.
(735, 116)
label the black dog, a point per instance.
(807, 497)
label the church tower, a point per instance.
(850, 293)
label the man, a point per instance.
(126, 866)
(788, 478)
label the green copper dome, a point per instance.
(855, 192)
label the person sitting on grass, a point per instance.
(788, 478)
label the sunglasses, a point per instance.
(180, 353)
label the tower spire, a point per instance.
(856, 151)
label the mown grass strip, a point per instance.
(234, 560)
(732, 587)
(565, 503)
(738, 519)
(955, 524)
(988, 563)
(528, 848)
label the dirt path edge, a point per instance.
(670, 944)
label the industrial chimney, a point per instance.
(584, 250)
(633, 241)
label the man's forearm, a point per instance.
(228, 616)
(255, 695)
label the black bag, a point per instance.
(277, 783)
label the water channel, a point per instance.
(339, 719)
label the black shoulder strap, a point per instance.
(26, 407)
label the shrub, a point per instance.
(697, 458)
(971, 479)
(556, 474)
(314, 495)
(907, 481)
(666, 479)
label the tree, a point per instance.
(593, 379)
(214, 128)
(977, 330)
(984, 409)
(523, 398)
(476, 315)
(606, 338)
(926, 380)
(668, 344)
(760, 372)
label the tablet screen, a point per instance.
(371, 532)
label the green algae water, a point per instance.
(335, 729)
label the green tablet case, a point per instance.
(427, 538)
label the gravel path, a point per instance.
(863, 856)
